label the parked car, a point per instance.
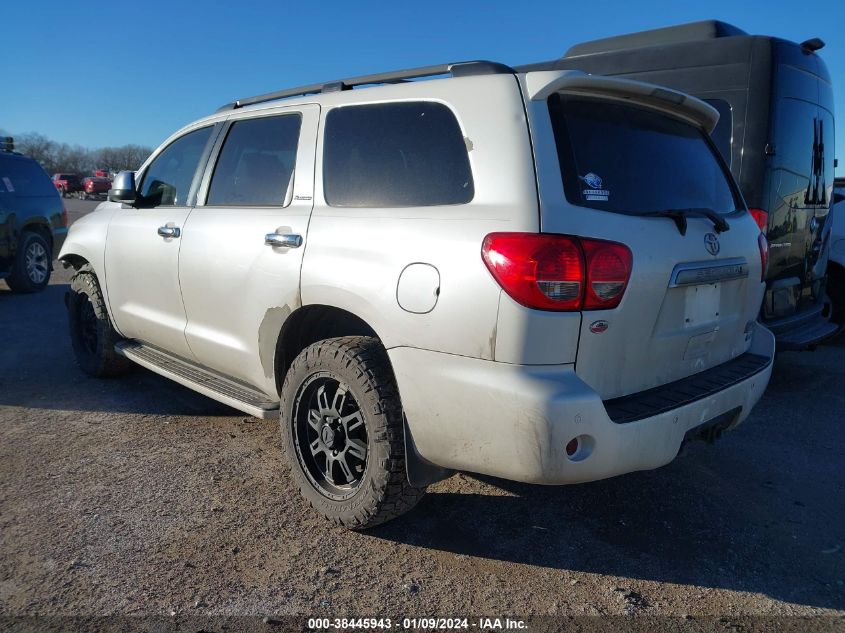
(836, 263)
(94, 186)
(547, 277)
(67, 184)
(776, 133)
(33, 223)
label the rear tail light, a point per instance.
(608, 271)
(763, 244)
(558, 272)
(760, 217)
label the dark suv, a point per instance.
(33, 223)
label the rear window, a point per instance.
(409, 154)
(24, 177)
(617, 157)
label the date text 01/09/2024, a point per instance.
(424, 623)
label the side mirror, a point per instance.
(123, 188)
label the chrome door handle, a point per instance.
(169, 231)
(285, 240)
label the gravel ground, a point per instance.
(139, 497)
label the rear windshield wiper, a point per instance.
(680, 217)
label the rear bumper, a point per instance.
(514, 421)
(802, 330)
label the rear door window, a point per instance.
(621, 158)
(405, 154)
(256, 164)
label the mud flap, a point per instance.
(420, 471)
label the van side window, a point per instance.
(256, 164)
(167, 181)
(723, 133)
(409, 154)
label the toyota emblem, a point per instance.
(711, 243)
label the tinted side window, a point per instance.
(256, 164)
(617, 157)
(24, 177)
(167, 180)
(395, 155)
(796, 133)
(723, 133)
(825, 158)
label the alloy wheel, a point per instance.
(330, 436)
(37, 266)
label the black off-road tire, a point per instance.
(19, 280)
(384, 492)
(91, 331)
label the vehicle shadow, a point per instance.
(763, 510)
(38, 370)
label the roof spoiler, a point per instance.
(542, 84)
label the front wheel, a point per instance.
(91, 332)
(342, 431)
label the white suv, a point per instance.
(548, 277)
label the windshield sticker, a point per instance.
(8, 184)
(595, 191)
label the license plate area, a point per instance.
(702, 305)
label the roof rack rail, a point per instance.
(456, 69)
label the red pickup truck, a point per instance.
(67, 184)
(96, 186)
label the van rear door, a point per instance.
(799, 181)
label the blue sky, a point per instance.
(111, 74)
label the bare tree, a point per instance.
(126, 157)
(75, 159)
(38, 147)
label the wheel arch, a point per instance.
(39, 226)
(311, 323)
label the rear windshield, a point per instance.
(617, 157)
(24, 177)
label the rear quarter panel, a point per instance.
(354, 256)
